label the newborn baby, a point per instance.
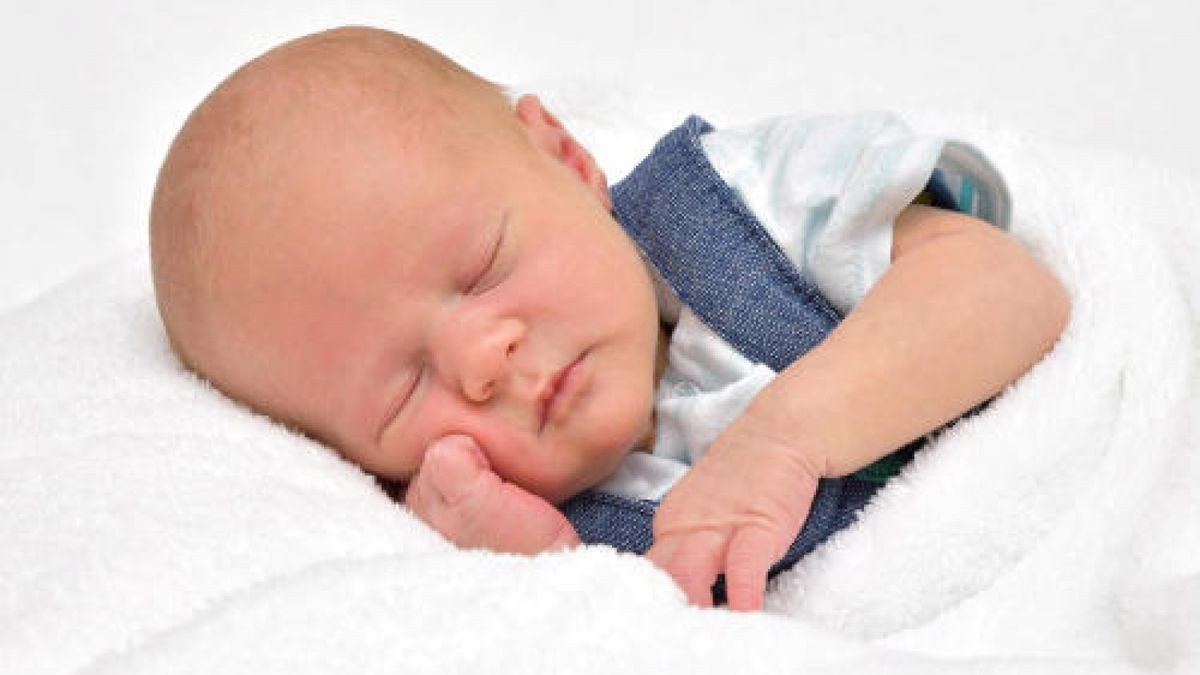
(374, 246)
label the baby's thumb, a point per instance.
(455, 467)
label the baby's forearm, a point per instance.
(962, 312)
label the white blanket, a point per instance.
(149, 525)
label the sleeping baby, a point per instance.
(715, 362)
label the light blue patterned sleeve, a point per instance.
(829, 189)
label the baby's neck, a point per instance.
(660, 365)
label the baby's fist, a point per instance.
(458, 494)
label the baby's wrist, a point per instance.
(760, 430)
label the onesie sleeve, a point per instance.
(828, 189)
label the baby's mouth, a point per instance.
(556, 396)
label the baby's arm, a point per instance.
(961, 313)
(459, 495)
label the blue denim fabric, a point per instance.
(716, 255)
(626, 524)
(721, 262)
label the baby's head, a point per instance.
(359, 238)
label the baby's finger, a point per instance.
(453, 480)
(662, 550)
(751, 554)
(693, 560)
(460, 496)
(522, 522)
(456, 469)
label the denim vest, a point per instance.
(724, 266)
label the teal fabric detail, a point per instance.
(887, 467)
(966, 196)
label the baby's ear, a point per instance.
(552, 137)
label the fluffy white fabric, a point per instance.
(150, 525)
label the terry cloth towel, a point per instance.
(150, 525)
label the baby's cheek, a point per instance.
(630, 420)
(401, 453)
(501, 451)
(546, 473)
(394, 466)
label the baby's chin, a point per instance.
(600, 467)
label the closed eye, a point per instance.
(487, 278)
(402, 401)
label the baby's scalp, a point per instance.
(214, 225)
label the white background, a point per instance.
(93, 92)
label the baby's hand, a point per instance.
(458, 494)
(736, 511)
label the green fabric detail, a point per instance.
(886, 467)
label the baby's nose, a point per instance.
(485, 361)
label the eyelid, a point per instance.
(477, 285)
(402, 401)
